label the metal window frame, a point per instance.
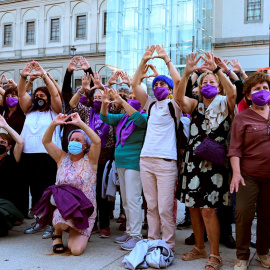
(50, 29)
(86, 26)
(246, 13)
(26, 23)
(11, 43)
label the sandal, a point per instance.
(213, 265)
(121, 218)
(57, 246)
(190, 256)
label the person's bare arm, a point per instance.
(16, 137)
(24, 98)
(136, 82)
(237, 177)
(56, 153)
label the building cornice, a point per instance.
(48, 58)
(241, 41)
(4, 2)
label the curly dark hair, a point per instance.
(253, 79)
(45, 90)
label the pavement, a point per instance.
(19, 251)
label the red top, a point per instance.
(251, 143)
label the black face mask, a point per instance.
(3, 149)
(40, 103)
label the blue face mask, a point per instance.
(75, 148)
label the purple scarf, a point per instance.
(123, 132)
(102, 129)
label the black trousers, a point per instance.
(38, 173)
(103, 205)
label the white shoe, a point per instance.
(241, 265)
(264, 259)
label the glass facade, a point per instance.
(182, 26)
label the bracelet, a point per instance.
(198, 73)
(80, 93)
(216, 70)
(228, 73)
(168, 62)
(43, 75)
(24, 77)
(242, 72)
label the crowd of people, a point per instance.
(202, 139)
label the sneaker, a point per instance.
(184, 224)
(241, 265)
(130, 243)
(191, 239)
(264, 259)
(48, 232)
(122, 239)
(105, 233)
(35, 227)
(228, 241)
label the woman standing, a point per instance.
(249, 153)
(38, 167)
(130, 129)
(204, 184)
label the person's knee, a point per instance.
(77, 250)
(208, 213)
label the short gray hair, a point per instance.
(86, 138)
(124, 89)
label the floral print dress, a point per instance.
(203, 184)
(81, 175)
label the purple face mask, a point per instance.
(83, 100)
(260, 98)
(11, 102)
(97, 105)
(161, 93)
(209, 91)
(135, 104)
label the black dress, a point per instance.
(203, 184)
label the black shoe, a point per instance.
(191, 239)
(228, 241)
(184, 224)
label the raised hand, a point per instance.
(10, 82)
(113, 79)
(84, 64)
(39, 71)
(236, 66)
(97, 81)
(3, 122)
(125, 78)
(60, 119)
(209, 62)
(105, 95)
(86, 79)
(161, 53)
(73, 64)
(144, 72)
(191, 63)
(27, 69)
(116, 97)
(149, 53)
(155, 74)
(75, 119)
(222, 64)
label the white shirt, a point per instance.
(160, 139)
(35, 125)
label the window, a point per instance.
(81, 27)
(7, 34)
(55, 30)
(30, 32)
(253, 10)
(104, 23)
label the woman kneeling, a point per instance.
(77, 169)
